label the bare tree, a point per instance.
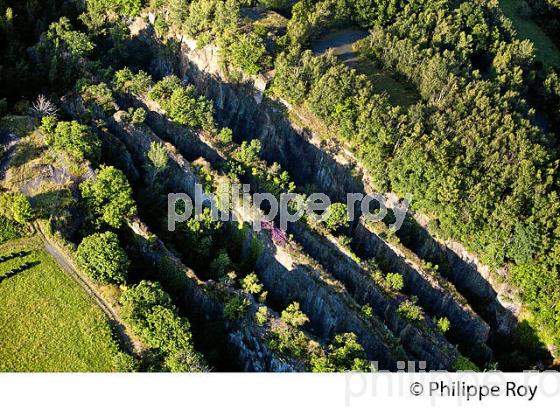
(43, 107)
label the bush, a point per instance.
(182, 105)
(336, 217)
(293, 316)
(248, 152)
(394, 281)
(247, 52)
(226, 136)
(236, 307)
(139, 299)
(8, 230)
(464, 364)
(367, 311)
(442, 324)
(48, 124)
(100, 95)
(410, 310)
(252, 285)
(101, 257)
(261, 316)
(138, 116)
(154, 319)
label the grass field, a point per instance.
(47, 322)
(547, 52)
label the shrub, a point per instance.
(48, 124)
(136, 301)
(394, 281)
(410, 310)
(158, 156)
(288, 341)
(293, 316)
(236, 307)
(247, 52)
(442, 324)
(138, 116)
(100, 95)
(226, 136)
(8, 230)
(248, 152)
(464, 364)
(261, 316)
(220, 265)
(251, 284)
(336, 217)
(186, 361)
(154, 319)
(101, 257)
(367, 311)
(182, 105)
(343, 354)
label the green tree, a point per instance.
(74, 138)
(261, 315)
(247, 52)
(101, 257)
(109, 196)
(442, 324)
(138, 300)
(410, 310)
(138, 116)
(186, 361)
(159, 158)
(226, 136)
(125, 81)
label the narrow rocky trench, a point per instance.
(468, 329)
(418, 341)
(330, 310)
(282, 142)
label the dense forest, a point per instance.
(478, 151)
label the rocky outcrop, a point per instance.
(467, 328)
(331, 311)
(494, 300)
(245, 340)
(323, 164)
(422, 343)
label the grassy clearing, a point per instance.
(342, 43)
(547, 52)
(47, 322)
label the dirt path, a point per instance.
(131, 345)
